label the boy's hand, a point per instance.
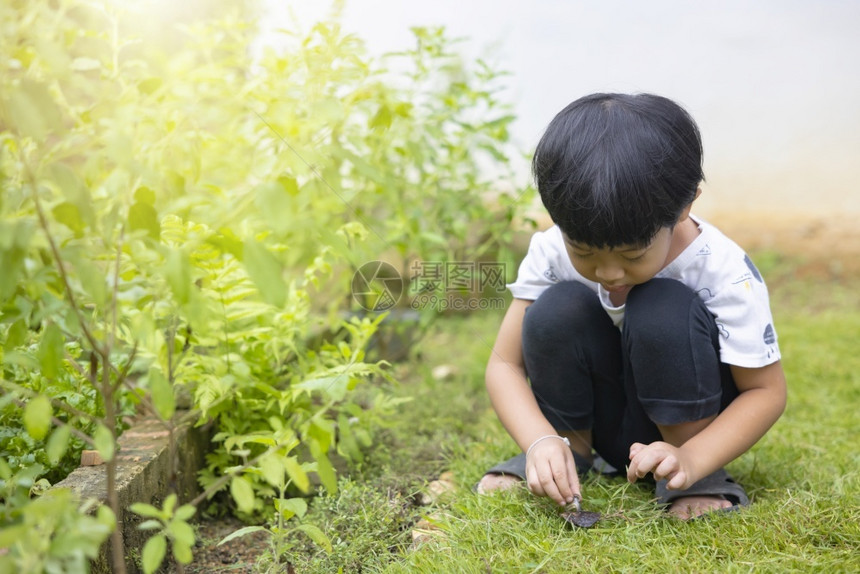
(551, 471)
(661, 459)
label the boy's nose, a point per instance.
(609, 273)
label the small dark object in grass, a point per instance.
(583, 519)
(579, 517)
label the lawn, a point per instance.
(802, 476)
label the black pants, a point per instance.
(663, 367)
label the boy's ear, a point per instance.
(685, 213)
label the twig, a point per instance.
(43, 222)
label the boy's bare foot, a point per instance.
(492, 481)
(688, 507)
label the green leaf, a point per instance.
(169, 504)
(325, 470)
(182, 552)
(227, 242)
(266, 272)
(296, 506)
(297, 473)
(322, 430)
(153, 553)
(151, 524)
(162, 394)
(74, 189)
(335, 386)
(242, 532)
(181, 532)
(185, 512)
(16, 335)
(146, 510)
(31, 110)
(11, 262)
(145, 195)
(178, 270)
(104, 442)
(91, 277)
(69, 215)
(149, 85)
(50, 352)
(347, 444)
(58, 444)
(143, 216)
(382, 120)
(317, 535)
(243, 493)
(274, 202)
(37, 417)
(272, 468)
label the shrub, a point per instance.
(180, 217)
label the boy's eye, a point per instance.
(634, 259)
(581, 255)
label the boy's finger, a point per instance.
(572, 481)
(632, 475)
(551, 490)
(635, 448)
(640, 465)
(561, 478)
(677, 481)
(667, 468)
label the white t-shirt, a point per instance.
(713, 266)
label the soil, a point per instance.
(238, 556)
(826, 247)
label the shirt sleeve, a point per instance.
(545, 264)
(741, 308)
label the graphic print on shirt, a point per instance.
(753, 269)
(703, 292)
(769, 335)
(745, 280)
(550, 274)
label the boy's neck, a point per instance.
(683, 235)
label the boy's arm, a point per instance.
(550, 468)
(760, 403)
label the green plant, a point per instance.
(281, 541)
(314, 407)
(180, 218)
(52, 532)
(172, 525)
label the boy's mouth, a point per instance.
(616, 288)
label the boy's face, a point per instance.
(620, 268)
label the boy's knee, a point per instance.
(560, 309)
(664, 307)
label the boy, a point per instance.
(637, 331)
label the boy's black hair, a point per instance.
(613, 169)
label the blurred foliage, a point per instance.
(181, 211)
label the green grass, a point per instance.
(803, 476)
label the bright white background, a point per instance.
(773, 84)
